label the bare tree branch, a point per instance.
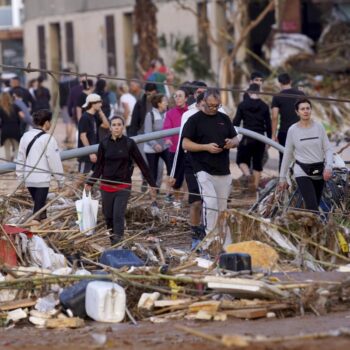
(203, 23)
(250, 27)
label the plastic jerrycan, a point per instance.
(105, 301)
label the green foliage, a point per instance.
(187, 57)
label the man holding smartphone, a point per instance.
(208, 136)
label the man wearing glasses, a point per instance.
(208, 136)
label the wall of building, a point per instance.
(11, 36)
(89, 40)
(88, 18)
(46, 8)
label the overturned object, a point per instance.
(73, 298)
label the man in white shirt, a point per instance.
(127, 103)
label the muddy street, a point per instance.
(167, 336)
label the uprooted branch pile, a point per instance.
(178, 283)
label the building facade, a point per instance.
(99, 37)
(11, 34)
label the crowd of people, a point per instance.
(199, 154)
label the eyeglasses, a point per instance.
(213, 106)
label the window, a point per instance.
(42, 47)
(6, 16)
(111, 49)
(70, 42)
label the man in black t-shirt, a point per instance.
(209, 135)
(88, 126)
(283, 107)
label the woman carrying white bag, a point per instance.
(114, 166)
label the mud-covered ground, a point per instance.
(147, 335)
(166, 336)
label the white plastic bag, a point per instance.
(87, 213)
(43, 256)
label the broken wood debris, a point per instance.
(174, 283)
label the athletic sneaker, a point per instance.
(169, 198)
(177, 205)
(195, 243)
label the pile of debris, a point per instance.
(143, 293)
(55, 276)
(332, 52)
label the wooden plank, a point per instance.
(250, 314)
(167, 302)
(17, 304)
(74, 322)
(210, 306)
(244, 287)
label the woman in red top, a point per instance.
(114, 166)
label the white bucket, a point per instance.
(105, 301)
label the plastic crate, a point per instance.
(118, 258)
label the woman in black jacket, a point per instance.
(114, 166)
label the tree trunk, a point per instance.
(239, 60)
(242, 29)
(146, 29)
(234, 63)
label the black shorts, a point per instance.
(192, 184)
(251, 152)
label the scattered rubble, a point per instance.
(171, 282)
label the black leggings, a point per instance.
(39, 195)
(311, 191)
(114, 207)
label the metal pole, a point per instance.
(84, 151)
(260, 137)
